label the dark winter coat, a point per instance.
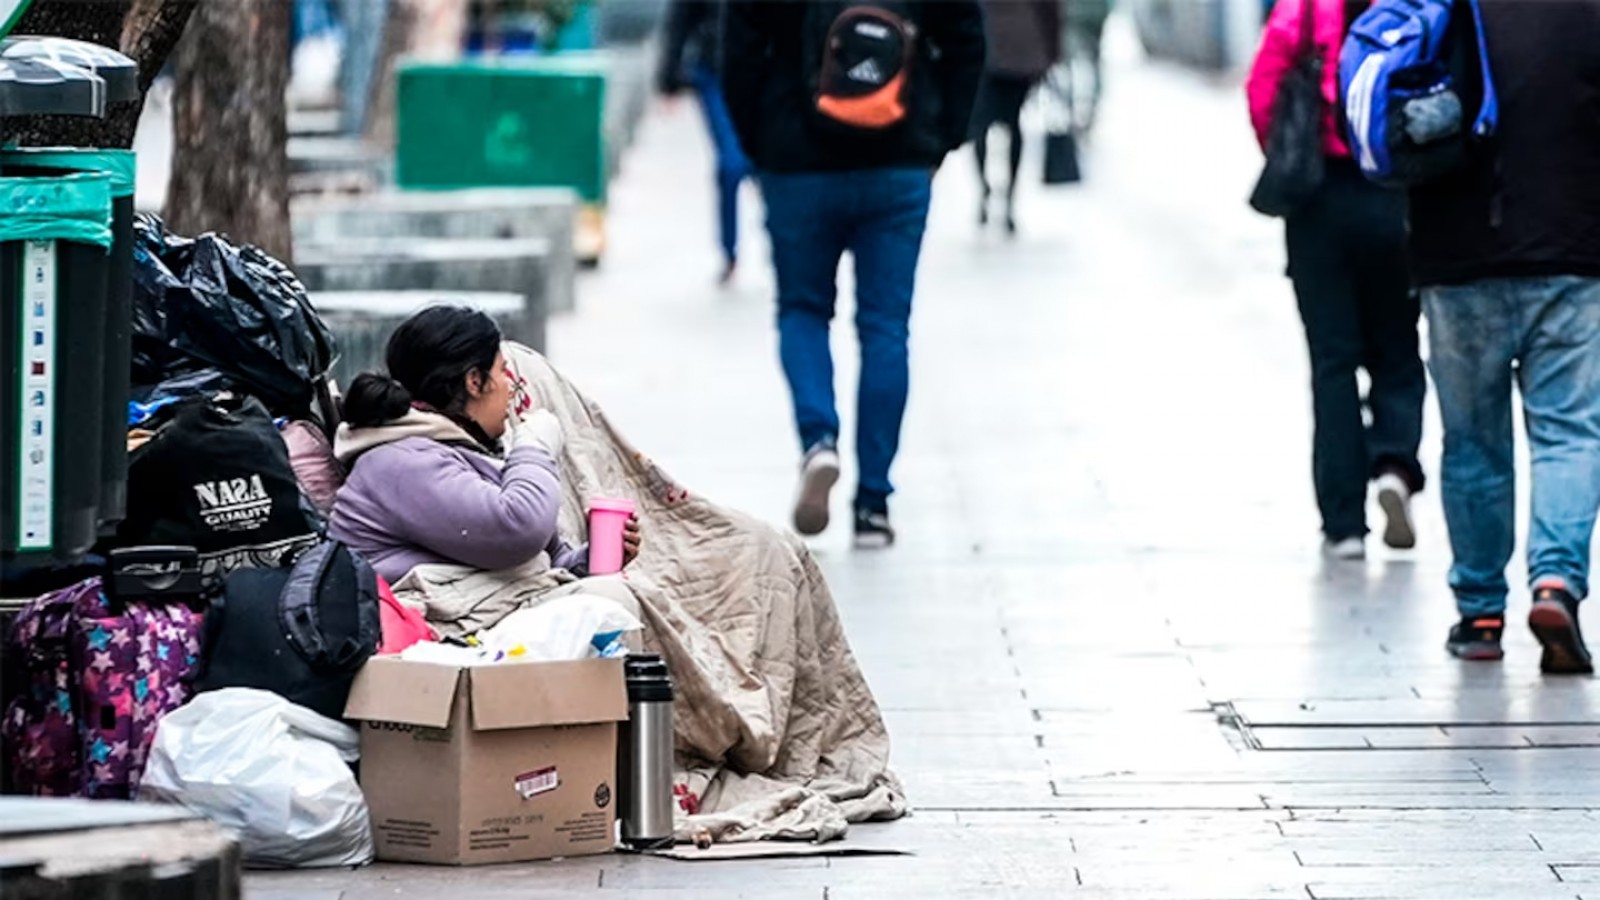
(1529, 204)
(691, 40)
(766, 81)
(1024, 37)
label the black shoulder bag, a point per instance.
(1295, 166)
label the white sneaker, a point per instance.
(1394, 495)
(819, 472)
(1351, 549)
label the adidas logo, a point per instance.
(867, 71)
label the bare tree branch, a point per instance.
(150, 33)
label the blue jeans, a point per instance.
(732, 166)
(879, 216)
(1545, 334)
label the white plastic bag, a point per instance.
(276, 773)
(576, 626)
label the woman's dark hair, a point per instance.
(429, 358)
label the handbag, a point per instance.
(1061, 133)
(1295, 167)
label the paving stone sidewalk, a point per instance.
(1112, 661)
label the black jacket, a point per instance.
(1024, 37)
(691, 40)
(1529, 204)
(765, 81)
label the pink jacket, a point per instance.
(1279, 45)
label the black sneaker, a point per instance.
(1554, 620)
(1477, 638)
(873, 531)
(819, 472)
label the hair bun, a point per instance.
(375, 399)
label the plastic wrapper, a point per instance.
(121, 166)
(69, 208)
(576, 626)
(276, 773)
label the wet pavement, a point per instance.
(1112, 660)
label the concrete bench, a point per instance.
(53, 848)
(315, 122)
(512, 266)
(361, 321)
(634, 66)
(325, 155)
(472, 214)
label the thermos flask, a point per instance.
(644, 755)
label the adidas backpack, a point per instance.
(1404, 72)
(859, 57)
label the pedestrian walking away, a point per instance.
(1084, 28)
(691, 57)
(1024, 42)
(1347, 262)
(847, 110)
(1507, 249)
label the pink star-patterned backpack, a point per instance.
(90, 671)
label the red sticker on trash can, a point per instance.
(532, 784)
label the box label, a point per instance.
(585, 828)
(417, 732)
(503, 832)
(407, 833)
(542, 781)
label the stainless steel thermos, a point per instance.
(644, 754)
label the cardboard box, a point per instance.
(493, 764)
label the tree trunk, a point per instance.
(230, 167)
(146, 30)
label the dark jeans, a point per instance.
(1347, 259)
(732, 166)
(813, 218)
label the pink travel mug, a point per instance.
(607, 518)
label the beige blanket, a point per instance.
(778, 735)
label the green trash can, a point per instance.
(55, 238)
(520, 122)
(119, 165)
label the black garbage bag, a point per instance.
(208, 314)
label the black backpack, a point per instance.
(859, 59)
(300, 632)
(216, 477)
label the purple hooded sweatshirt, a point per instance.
(416, 500)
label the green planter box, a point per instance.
(536, 122)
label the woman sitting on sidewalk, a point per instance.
(440, 471)
(777, 731)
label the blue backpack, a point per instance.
(1403, 74)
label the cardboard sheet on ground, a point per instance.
(778, 735)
